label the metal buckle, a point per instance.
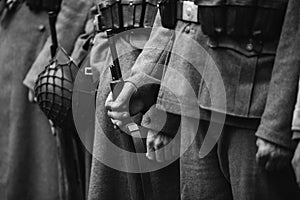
(88, 71)
(190, 11)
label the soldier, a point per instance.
(70, 156)
(28, 164)
(234, 46)
(296, 136)
(108, 183)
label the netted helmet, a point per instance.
(54, 87)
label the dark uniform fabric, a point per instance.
(28, 166)
(230, 170)
(73, 31)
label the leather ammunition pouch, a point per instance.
(46, 5)
(261, 20)
(120, 15)
(168, 13)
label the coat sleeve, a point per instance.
(296, 119)
(70, 23)
(148, 71)
(150, 64)
(277, 118)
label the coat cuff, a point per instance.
(141, 79)
(275, 137)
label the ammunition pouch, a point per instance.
(256, 22)
(46, 5)
(120, 15)
(168, 13)
(261, 20)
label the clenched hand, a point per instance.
(156, 142)
(271, 156)
(127, 103)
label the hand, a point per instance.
(296, 163)
(271, 156)
(127, 103)
(156, 141)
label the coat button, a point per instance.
(218, 30)
(187, 29)
(41, 28)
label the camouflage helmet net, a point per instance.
(54, 87)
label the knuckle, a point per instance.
(157, 145)
(150, 143)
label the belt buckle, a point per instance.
(190, 11)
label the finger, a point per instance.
(122, 99)
(116, 106)
(150, 146)
(108, 100)
(114, 122)
(270, 165)
(168, 152)
(258, 142)
(261, 157)
(150, 153)
(271, 161)
(118, 115)
(159, 153)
